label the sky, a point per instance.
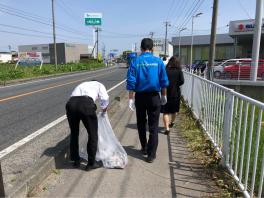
(124, 22)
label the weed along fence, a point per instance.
(235, 125)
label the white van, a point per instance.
(219, 69)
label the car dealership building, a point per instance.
(236, 44)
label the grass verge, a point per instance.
(8, 71)
(204, 151)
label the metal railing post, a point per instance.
(228, 117)
(2, 189)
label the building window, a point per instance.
(34, 48)
(45, 48)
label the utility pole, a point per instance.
(151, 35)
(135, 47)
(167, 23)
(97, 42)
(212, 42)
(256, 40)
(54, 35)
(97, 46)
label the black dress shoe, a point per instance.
(76, 164)
(150, 159)
(93, 166)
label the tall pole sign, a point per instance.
(94, 20)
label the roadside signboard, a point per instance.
(93, 19)
(29, 59)
(243, 27)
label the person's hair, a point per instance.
(146, 44)
(174, 62)
(164, 58)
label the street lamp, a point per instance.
(194, 16)
(182, 29)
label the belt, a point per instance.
(147, 93)
(81, 97)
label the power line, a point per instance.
(113, 36)
(62, 5)
(189, 14)
(194, 10)
(244, 9)
(22, 34)
(181, 10)
(35, 18)
(123, 34)
(170, 9)
(31, 18)
(34, 35)
(37, 31)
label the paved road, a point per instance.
(25, 108)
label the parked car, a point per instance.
(242, 70)
(219, 69)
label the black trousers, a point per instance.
(82, 108)
(148, 105)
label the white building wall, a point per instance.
(73, 52)
(4, 58)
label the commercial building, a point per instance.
(236, 44)
(66, 52)
(201, 46)
(5, 57)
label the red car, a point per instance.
(242, 70)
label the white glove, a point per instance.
(163, 100)
(131, 104)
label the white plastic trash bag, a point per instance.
(109, 150)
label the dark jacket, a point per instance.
(176, 79)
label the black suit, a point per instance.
(82, 108)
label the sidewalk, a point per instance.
(173, 173)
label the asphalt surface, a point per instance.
(27, 107)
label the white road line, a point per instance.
(4, 153)
(27, 139)
(116, 86)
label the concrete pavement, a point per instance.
(173, 174)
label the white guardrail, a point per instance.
(235, 125)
